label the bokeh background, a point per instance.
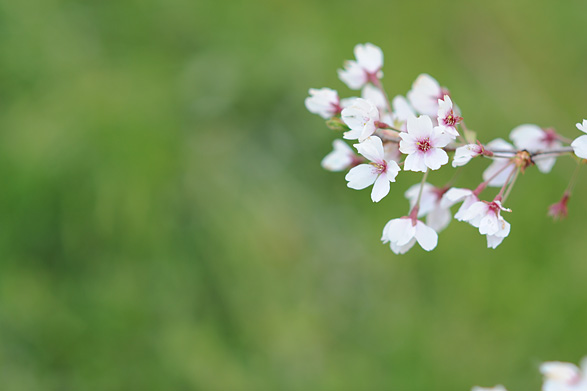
(165, 223)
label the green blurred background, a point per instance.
(165, 223)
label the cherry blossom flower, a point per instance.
(362, 117)
(423, 144)
(456, 195)
(580, 143)
(437, 215)
(377, 173)
(404, 232)
(499, 171)
(486, 216)
(534, 139)
(341, 157)
(496, 388)
(447, 118)
(425, 94)
(323, 102)
(366, 68)
(464, 154)
(563, 376)
(375, 96)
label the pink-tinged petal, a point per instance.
(475, 213)
(368, 131)
(438, 219)
(340, 158)
(392, 170)
(493, 241)
(435, 158)
(420, 126)
(369, 57)
(353, 75)
(444, 107)
(399, 231)
(580, 146)
(372, 149)
(427, 238)
(449, 131)
(454, 195)
(465, 207)
(322, 101)
(528, 137)
(438, 139)
(415, 162)
(361, 176)
(352, 134)
(402, 249)
(464, 154)
(380, 188)
(489, 224)
(545, 165)
(561, 372)
(408, 144)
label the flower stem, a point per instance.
(507, 193)
(507, 182)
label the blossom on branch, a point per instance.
(464, 154)
(404, 232)
(366, 68)
(341, 157)
(437, 214)
(377, 173)
(486, 216)
(324, 102)
(423, 144)
(447, 118)
(362, 118)
(535, 139)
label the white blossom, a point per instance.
(425, 94)
(464, 154)
(447, 118)
(535, 139)
(502, 166)
(404, 232)
(341, 157)
(423, 144)
(379, 172)
(369, 60)
(486, 216)
(437, 215)
(580, 143)
(563, 376)
(323, 102)
(362, 118)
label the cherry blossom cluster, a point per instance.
(420, 132)
(558, 376)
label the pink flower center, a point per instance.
(550, 136)
(494, 207)
(380, 167)
(451, 119)
(424, 145)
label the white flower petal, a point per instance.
(420, 126)
(439, 218)
(322, 102)
(580, 146)
(435, 158)
(582, 126)
(402, 249)
(369, 57)
(380, 188)
(415, 162)
(427, 238)
(454, 195)
(424, 95)
(361, 176)
(353, 75)
(372, 149)
(493, 241)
